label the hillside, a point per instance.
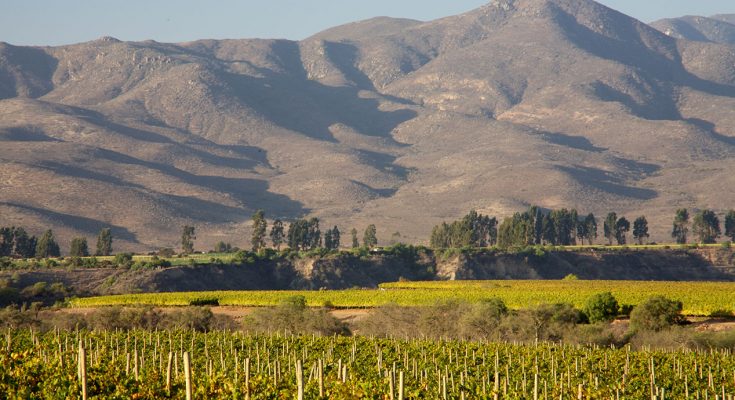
(715, 29)
(401, 123)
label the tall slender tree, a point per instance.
(355, 242)
(681, 226)
(370, 237)
(336, 238)
(78, 247)
(706, 226)
(315, 234)
(590, 228)
(328, 239)
(260, 226)
(277, 234)
(548, 230)
(730, 225)
(47, 246)
(188, 236)
(640, 229)
(104, 242)
(622, 227)
(609, 227)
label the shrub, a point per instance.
(571, 277)
(294, 316)
(656, 314)
(483, 319)
(124, 259)
(602, 307)
(166, 253)
(205, 301)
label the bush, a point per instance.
(205, 301)
(656, 314)
(124, 259)
(166, 253)
(483, 319)
(571, 277)
(294, 316)
(602, 307)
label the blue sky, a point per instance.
(54, 22)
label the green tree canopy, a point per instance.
(277, 234)
(104, 242)
(622, 227)
(609, 227)
(260, 226)
(590, 228)
(222, 247)
(681, 226)
(706, 226)
(355, 242)
(78, 247)
(336, 238)
(304, 234)
(47, 246)
(602, 307)
(655, 314)
(730, 225)
(640, 229)
(370, 237)
(188, 235)
(475, 230)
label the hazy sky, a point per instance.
(53, 22)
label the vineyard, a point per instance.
(699, 298)
(162, 364)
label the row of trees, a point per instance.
(475, 230)
(566, 227)
(705, 226)
(304, 234)
(15, 242)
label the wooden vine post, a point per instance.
(299, 380)
(83, 369)
(187, 374)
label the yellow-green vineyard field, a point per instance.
(233, 365)
(699, 298)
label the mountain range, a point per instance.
(395, 122)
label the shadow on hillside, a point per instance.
(710, 128)
(25, 134)
(37, 68)
(252, 193)
(602, 180)
(632, 50)
(575, 142)
(297, 103)
(87, 225)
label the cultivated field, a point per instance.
(145, 364)
(699, 298)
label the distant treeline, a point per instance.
(535, 226)
(16, 243)
(564, 227)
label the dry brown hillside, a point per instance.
(561, 103)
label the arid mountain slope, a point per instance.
(716, 29)
(561, 103)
